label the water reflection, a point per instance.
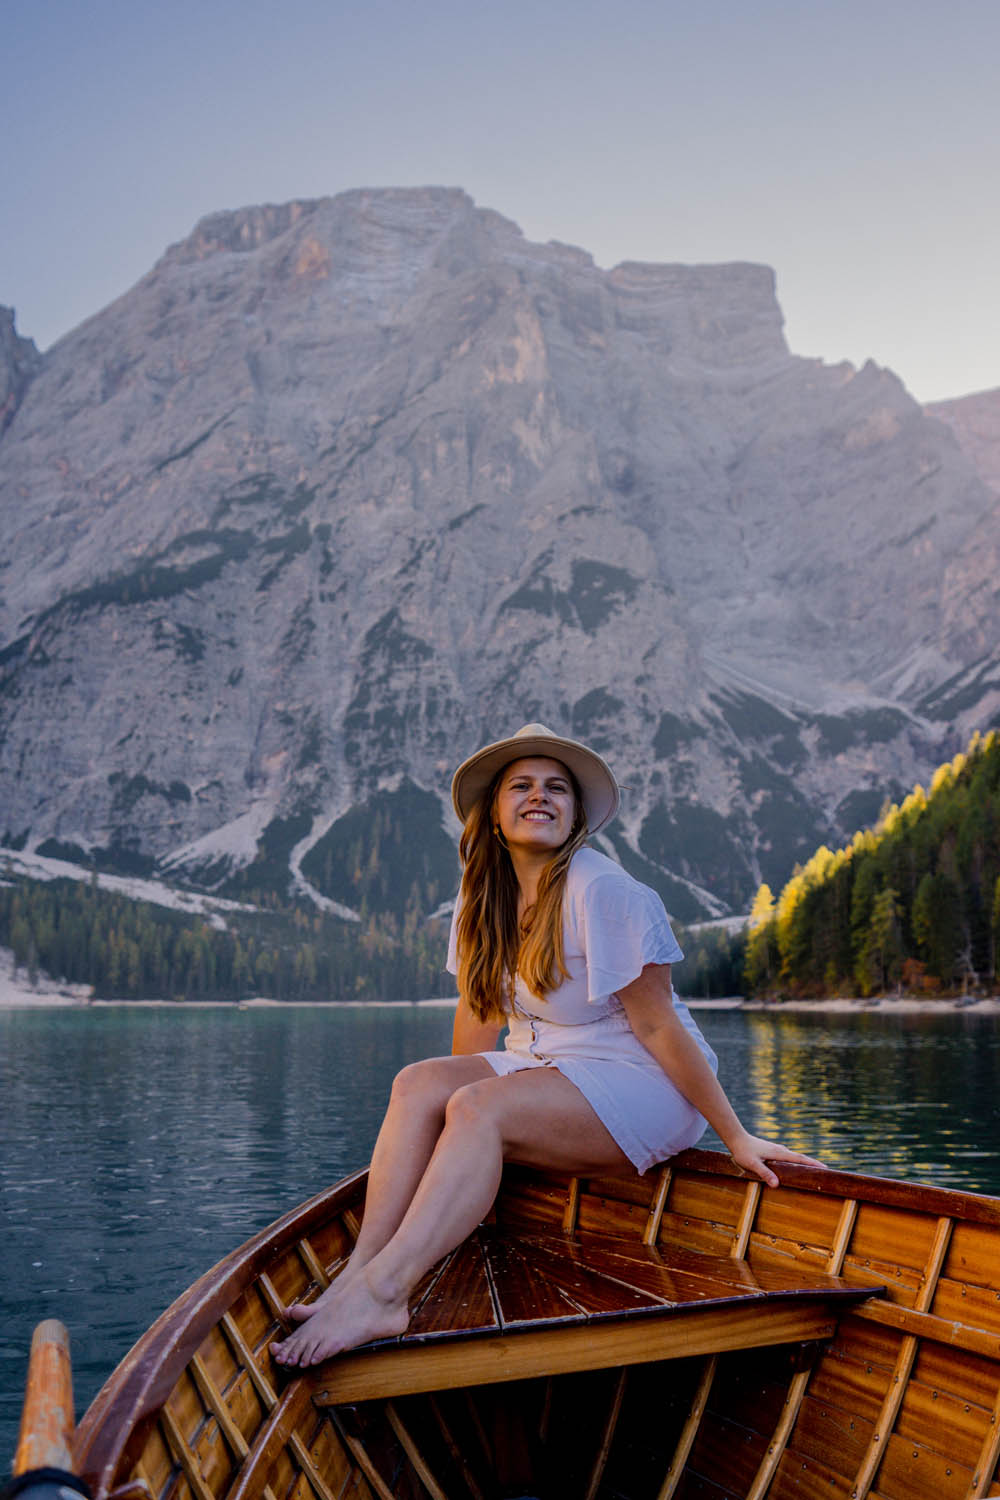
(139, 1146)
(904, 1096)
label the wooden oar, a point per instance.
(45, 1446)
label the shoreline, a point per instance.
(50, 994)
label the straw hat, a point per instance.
(598, 786)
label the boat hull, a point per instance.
(897, 1397)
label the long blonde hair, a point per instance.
(492, 947)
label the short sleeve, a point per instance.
(624, 927)
(451, 962)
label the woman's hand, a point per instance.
(752, 1153)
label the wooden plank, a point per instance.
(893, 1236)
(837, 1438)
(185, 1456)
(988, 1458)
(156, 1464)
(459, 1300)
(851, 1385)
(275, 1301)
(713, 1200)
(928, 1326)
(540, 1279)
(689, 1431)
(725, 1452)
(219, 1409)
(908, 1469)
(937, 1416)
(846, 1220)
(217, 1359)
(614, 1216)
(364, 1375)
(277, 1434)
(968, 1207)
(973, 1255)
(683, 1232)
(964, 1302)
(312, 1264)
(572, 1210)
(212, 1397)
(678, 1276)
(458, 1458)
(245, 1354)
(633, 1189)
(840, 1239)
(904, 1363)
(803, 1219)
(748, 1214)
(331, 1460)
(413, 1453)
(531, 1197)
(651, 1233)
(607, 1436)
(800, 1477)
(780, 1436)
(361, 1457)
(254, 1319)
(309, 1467)
(213, 1457)
(965, 1376)
(137, 1489)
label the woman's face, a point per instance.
(535, 804)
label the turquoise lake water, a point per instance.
(139, 1145)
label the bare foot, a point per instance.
(301, 1312)
(358, 1316)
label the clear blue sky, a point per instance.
(853, 145)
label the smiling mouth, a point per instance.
(538, 817)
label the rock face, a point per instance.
(975, 421)
(19, 363)
(344, 488)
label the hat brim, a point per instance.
(598, 787)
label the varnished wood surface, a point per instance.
(639, 1281)
(377, 1372)
(501, 1282)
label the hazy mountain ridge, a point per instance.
(342, 488)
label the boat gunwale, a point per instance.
(141, 1382)
(890, 1192)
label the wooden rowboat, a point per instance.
(690, 1333)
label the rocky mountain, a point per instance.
(975, 421)
(344, 488)
(19, 362)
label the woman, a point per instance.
(603, 1071)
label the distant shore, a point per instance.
(17, 993)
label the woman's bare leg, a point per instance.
(536, 1116)
(413, 1121)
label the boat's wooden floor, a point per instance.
(509, 1305)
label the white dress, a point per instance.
(612, 927)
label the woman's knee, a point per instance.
(473, 1105)
(428, 1084)
(422, 1084)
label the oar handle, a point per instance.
(46, 1440)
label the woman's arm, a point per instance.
(472, 1035)
(649, 1006)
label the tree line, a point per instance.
(912, 904)
(133, 950)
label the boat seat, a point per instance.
(506, 1307)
